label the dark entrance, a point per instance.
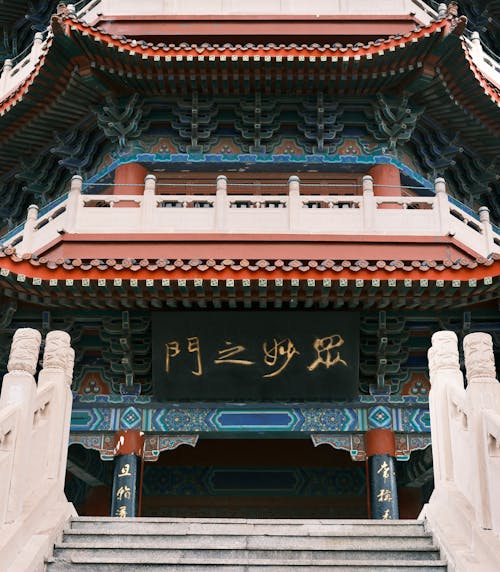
(250, 478)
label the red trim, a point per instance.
(272, 52)
(380, 442)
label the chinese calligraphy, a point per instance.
(384, 495)
(280, 349)
(125, 471)
(384, 470)
(227, 355)
(325, 356)
(123, 492)
(276, 354)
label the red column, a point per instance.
(381, 453)
(386, 183)
(129, 180)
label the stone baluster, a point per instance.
(28, 242)
(5, 77)
(443, 206)
(148, 203)
(444, 370)
(73, 204)
(294, 203)
(221, 203)
(369, 206)
(442, 10)
(19, 389)
(483, 392)
(484, 217)
(58, 359)
(36, 48)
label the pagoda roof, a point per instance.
(79, 64)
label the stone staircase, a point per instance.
(202, 544)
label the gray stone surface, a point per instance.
(108, 544)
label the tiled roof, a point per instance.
(32, 266)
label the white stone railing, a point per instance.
(487, 63)
(94, 8)
(285, 214)
(34, 433)
(14, 72)
(464, 510)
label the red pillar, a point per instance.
(381, 452)
(131, 176)
(386, 183)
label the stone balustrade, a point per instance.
(464, 510)
(34, 432)
(94, 8)
(285, 214)
(15, 72)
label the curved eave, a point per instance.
(184, 284)
(32, 267)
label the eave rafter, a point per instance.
(211, 283)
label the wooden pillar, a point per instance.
(129, 179)
(381, 452)
(128, 453)
(386, 183)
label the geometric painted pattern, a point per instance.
(110, 413)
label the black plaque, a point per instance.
(256, 355)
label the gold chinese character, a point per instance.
(384, 469)
(283, 349)
(387, 515)
(172, 349)
(324, 354)
(121, 511)
(226, 355)
(194, 348)
(125, 471)
(123, 492)
(384, 495)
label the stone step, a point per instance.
(95, 554)
(75, 538)
(231, 566)
(239, 527)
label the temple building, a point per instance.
(250, 218)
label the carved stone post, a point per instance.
(369, 206)
(443, 206)
(381, 452)
(128, 453)
(483, 392)
(484, 217)
(19, 388)
(444, 370)
(29, 230)
(58, 360)
(73, 203)
(221, 202)
(148, 203)
(293, 202)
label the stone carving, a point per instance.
(444, 352)
(70, 364)
(24, 350)
(479, 359)
(57, 344)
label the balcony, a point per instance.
(272, 217)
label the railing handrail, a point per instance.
(443, 215)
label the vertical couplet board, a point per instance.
(261, 356)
